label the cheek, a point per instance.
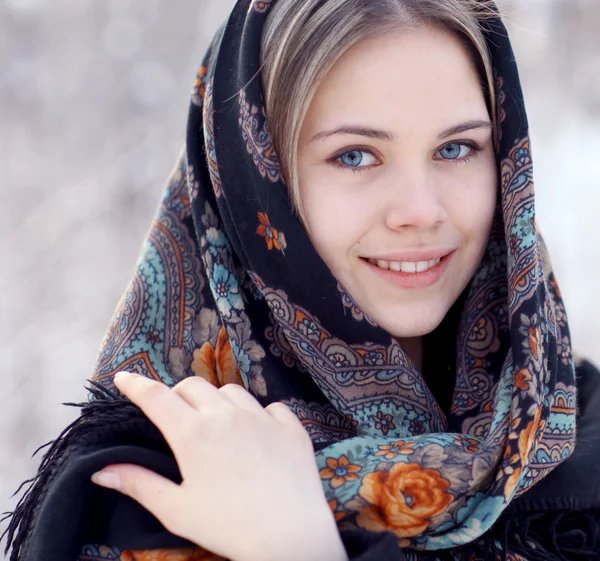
(335, 221)
(472, 207)
(487, 201)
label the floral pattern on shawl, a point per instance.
(402, 500)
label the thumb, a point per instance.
(155, 493)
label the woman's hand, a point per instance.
(250, 486)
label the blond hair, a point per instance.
(302, 40)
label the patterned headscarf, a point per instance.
(229, 287)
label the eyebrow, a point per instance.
(357, 130)
(464, 127)
(388, 136)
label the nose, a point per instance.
(412, 201)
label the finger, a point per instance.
(241, 397)
(282, 413)
(196, 391)
(165, 409)
(157, 494)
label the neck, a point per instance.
(413, 347)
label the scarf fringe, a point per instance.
(566, 535)
(96, 416)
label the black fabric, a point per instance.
(362, 545)
(439, 356)
(97, 515)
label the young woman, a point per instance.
(345, 268)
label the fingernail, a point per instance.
(108, 479)
(123, 374)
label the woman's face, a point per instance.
(398, 176)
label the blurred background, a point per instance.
(93, 103)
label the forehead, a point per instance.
(422, 76)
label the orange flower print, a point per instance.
(217, 364)
(199, 82)
(274, 238)
(389, 451)
(339, 471)
(526, 438)
(182, 554)
(384, 423)
(404, 499)
(153, 336)
(514, 244)
(333, 504)
(535, 340)
(514, 557)
(469, 445)
(261, 5)
(522, 379)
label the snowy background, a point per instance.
(93, 101)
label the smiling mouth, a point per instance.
(405, 266)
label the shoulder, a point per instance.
(579, 474)
(588, 390)
(562, 511)
(574, 484)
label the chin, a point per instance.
(421, 322)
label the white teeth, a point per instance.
(405, 266)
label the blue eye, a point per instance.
(352, 159)
(455, 151)
(356, 159)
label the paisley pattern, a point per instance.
(229, 287)
(211, 158)
(258, 139)
(323, 423)
(500, 99)
(152, 330)
(349, 303)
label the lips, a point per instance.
(405, 266)
(412, 256)
(411, 270)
